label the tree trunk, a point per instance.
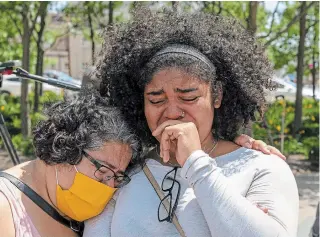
(40, 54)
(252, 18)
(91, 36)
(220, 7)
(252, 28)
(174, 6)
(24, 84)
(36, 97)
(40, 89)
(69, 54)
(300, 67)
(314, 69)
(38, 85)
(313, 74)
(111, 12)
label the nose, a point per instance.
(173, 112)
(111, 183)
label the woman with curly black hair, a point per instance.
(83, 148)
(187, 83)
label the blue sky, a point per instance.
(270, 5)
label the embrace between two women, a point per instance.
(183, 85)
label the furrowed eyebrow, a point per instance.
(186, 90)
(103, 163)
(159, 92)
(110, 166)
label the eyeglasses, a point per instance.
(167, 185)
(104, 173)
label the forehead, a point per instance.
(117, 145)
(114, 152)
(115, 148)
(174, 77)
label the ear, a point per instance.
(218, 99)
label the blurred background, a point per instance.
(62, 40)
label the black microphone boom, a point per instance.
(7, 68)
(58, 83)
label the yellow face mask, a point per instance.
(85, 199)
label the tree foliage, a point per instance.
(277, 28)
(90, 18)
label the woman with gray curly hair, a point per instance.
(83, 149)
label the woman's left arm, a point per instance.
(228, 213)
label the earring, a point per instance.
(182, 114)
(216, 103)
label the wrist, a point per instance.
(194, 156)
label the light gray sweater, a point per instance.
(218, 197)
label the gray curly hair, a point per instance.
(86, 122)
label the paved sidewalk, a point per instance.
(5, 161)
(308, 185)
(307, 181)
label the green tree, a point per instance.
(40, 52)
(10, 42)
(300, 71)
(24, 17)
(283, 38)
(91, 17)
(278, 30)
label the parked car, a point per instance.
(289, 89)
(61, 76)
(11, 85)
(68, 94)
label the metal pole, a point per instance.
(24, 74)
(7, 142)
(282, 125)
(282, 122)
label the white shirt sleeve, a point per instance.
(100, 225)
(228, 213)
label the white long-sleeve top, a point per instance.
(218, 197)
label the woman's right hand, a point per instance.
(182, 137)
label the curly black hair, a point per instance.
(86, 122)
(241, 66)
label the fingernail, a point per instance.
(248, 145)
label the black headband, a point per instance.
(183, 49)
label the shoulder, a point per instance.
(18, 169)
(261, 161)
(255, 158)
(275, 170)
(270, 162)
(261, 164)
(6, 220)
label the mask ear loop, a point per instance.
(56, 175)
